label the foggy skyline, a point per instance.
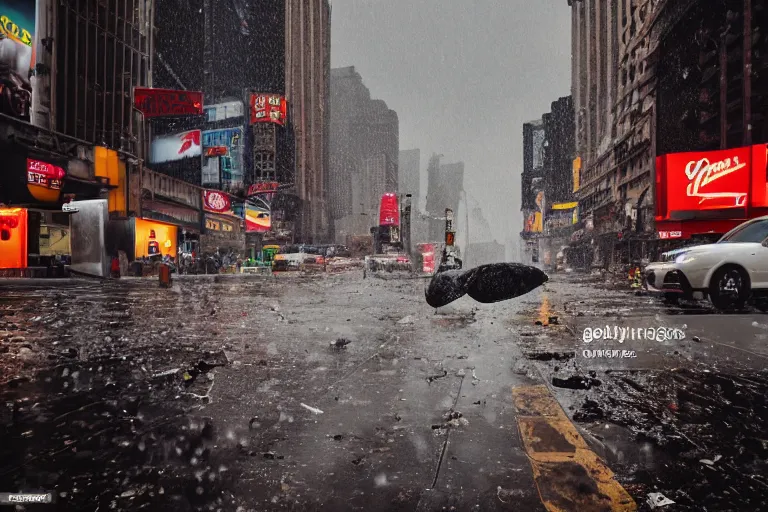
(463, 78)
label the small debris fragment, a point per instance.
(313, 410)
(696, 339)
(657, 500)
(406, 320)
(433, 378)
(269, 455)
(553, 320)
(338, 437)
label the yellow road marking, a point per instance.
(568, 475)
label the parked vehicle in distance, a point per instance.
(729, 272)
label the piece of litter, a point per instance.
(313, 410)
(657, 500)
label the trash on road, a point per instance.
(408, 320)
(313, 410)
(657, 500)
(711, 462)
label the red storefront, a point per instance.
(706, 194)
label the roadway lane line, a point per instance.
(568, 475)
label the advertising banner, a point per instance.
(168, 148)
(167, 102)
(389, 213)
(257, 219)
(17, 57)
(229, 165)
(268, 108)
(216, 202)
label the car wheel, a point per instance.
(729, 288)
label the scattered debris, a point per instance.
(657, 500)
(575, 382)
(553, 320)
(433, 378)
(313, 410)
(551, 356)
(340, 343)
(338, 437)
(696, 339)
(408, 320)
(709, 462)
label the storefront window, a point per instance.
(155, 239)
(54, 240)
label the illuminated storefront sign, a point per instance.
(44, 180)
(13, 238)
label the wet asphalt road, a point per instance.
(226, 394)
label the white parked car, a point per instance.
(729, 272)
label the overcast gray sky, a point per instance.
(463, 77)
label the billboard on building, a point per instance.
(167, 103)
(268, 108)
(168, 148)
(222, 111)
(257, 219)
(17, 57)
(224, 156)
(576, 174)
(690, 183)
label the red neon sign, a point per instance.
(44, 174)
(167, 102)
(714, 180)
(268, 108)
(216, 151)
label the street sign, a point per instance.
(69, 208)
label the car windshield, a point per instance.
(754, 232)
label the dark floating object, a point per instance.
(486, 284)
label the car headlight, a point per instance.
(684, 258)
